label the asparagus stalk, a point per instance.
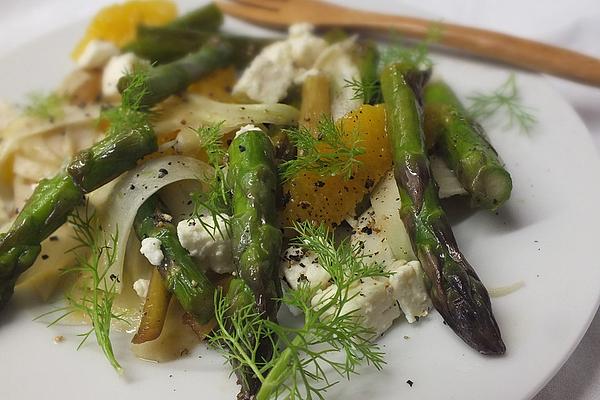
(239, 296)
(461, 142)
(454, 287)
(167, 79)
(181, 276)
(165, 44)
(207, 18)
(252, 178)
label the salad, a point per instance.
(214, 182)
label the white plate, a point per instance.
(546, 236)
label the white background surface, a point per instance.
(570, 23)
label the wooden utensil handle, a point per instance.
(496, 46)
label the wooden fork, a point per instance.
(486, 44)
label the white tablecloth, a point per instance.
(574, 24)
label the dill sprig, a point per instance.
(507, 99)
(302, 356)
(365, 90)
(417, 55)
(211, 140)
(214, 200)
(330, 153)
(129, 114)
(95, 294)
(44, 106)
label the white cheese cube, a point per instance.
(372, 304)
(151, 250)
(409, 289)
(207, 241)
(298, 266)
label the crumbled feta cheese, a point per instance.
(117, 67)
(205, 241)
(371, 302)
(272, 72)
(409, 289)
(141, 287)
(298, 266)
(152, 251)
(246, 128)
(96, 54)
(378, 301)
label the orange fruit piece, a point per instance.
(330, 199)
(118, 23)
(217, 85)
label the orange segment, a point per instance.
(216, 85)
(330, 199)
(118, 23)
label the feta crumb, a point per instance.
(272, 72)
(371, 302)
(298, 266)
(152, 251)
(246, 128)
(141, 287)
(96, 54)
(117, 67)
(409, 289)
(202, 239)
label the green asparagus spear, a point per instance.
(238, 297)
(167, 79)
(164, 44)
(454, 287)
(207, 18)
(182, 277)
(252, 178)
(461, 142)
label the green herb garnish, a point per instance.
(363, 90)
(417, 55)
(507, 99)
(214, 200)
(45, 106)
(129, 115)
(95, 292)
(302, 354)
(326, 155)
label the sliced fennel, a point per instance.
(118, 203)
(198, 111)
(385, 200)
(26, 127)
(448, 184)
